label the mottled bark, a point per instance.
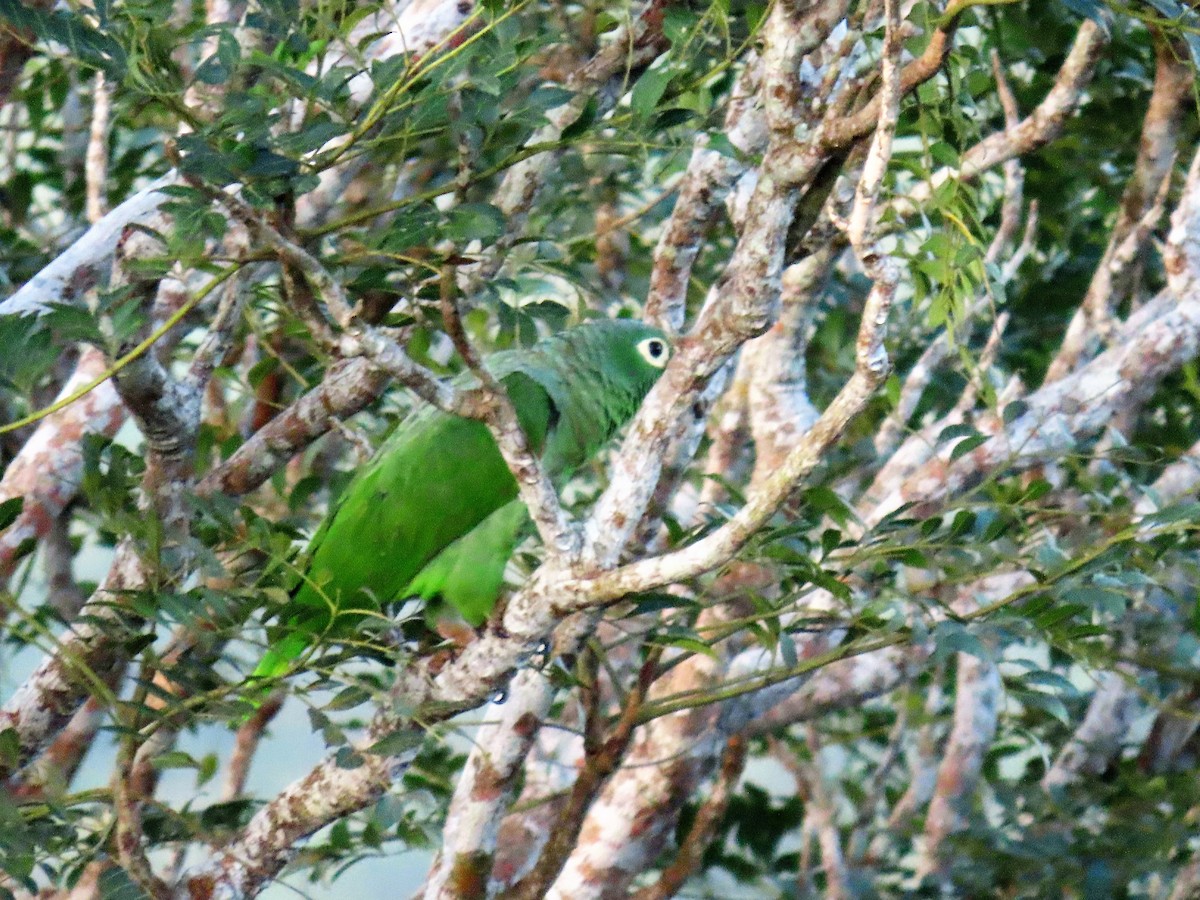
(1140, 209)
(486, 787)
(977, 701)
(46, 472)
(811, 117)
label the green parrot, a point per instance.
(435, 514)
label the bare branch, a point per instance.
(1140, 210)
(845, 131)
(858, 843)
(1047, 121)
(779, 407)
(923, 766)
(704, 825)
(54, 770)
(97, 151)
(1099, 737)
(327, 793)
(709, 176)
(741, 305)
(47, 471)
(603, 753)
(822, 810)
(245, 745)
(1063, 413)
(977, 702)
(81, 266)
(486, 787)
(130, 838)
(348, 387)
(844, 684)
(634, 814)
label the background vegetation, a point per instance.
(892, 585)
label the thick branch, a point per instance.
(486, 787)
(47, 471)
(83, 265)
(977, 701)
(1139, 212)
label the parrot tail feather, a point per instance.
(278, 659)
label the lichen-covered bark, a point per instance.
(1140, 207)
(47, 471)
(977, 700)
(810, 103)
(486, 787)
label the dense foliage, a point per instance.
(957, 654)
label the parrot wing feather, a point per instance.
(433, 481)
(470, 572)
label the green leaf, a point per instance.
(397, 742)
(315, 134)
(10, 748)
(347, 758)
(1058, 614)
(953, 637)
(549, 97)
(950, 432)
(685, 639)
(1051, 681)
(220, 66)
(551, 312)
(1037, 489)
(891, 390)
(649, 90)
(583, 123)
(206, 769)
(1054, 706)
(115, 884)
(72, 31)
(348, 698)
(678, 22)
(475, 221)
(175, 759)
(671, 118)
(1036, 605)
(1183, 512)
(966, 445)
(657, 601)
(692, 644)
(1014, 411)
(827, 501)
(787, 650)
(224, 816)
(9, 510)
(71, 323)
(964, 521)
(1098, 598)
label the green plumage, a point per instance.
(435, 513)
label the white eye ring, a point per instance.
(655, 351)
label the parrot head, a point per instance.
(596, 376)
(624, 355)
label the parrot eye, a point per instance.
(654, 351)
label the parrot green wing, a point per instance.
(420, 517)
(470, 572)
(433, 481)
